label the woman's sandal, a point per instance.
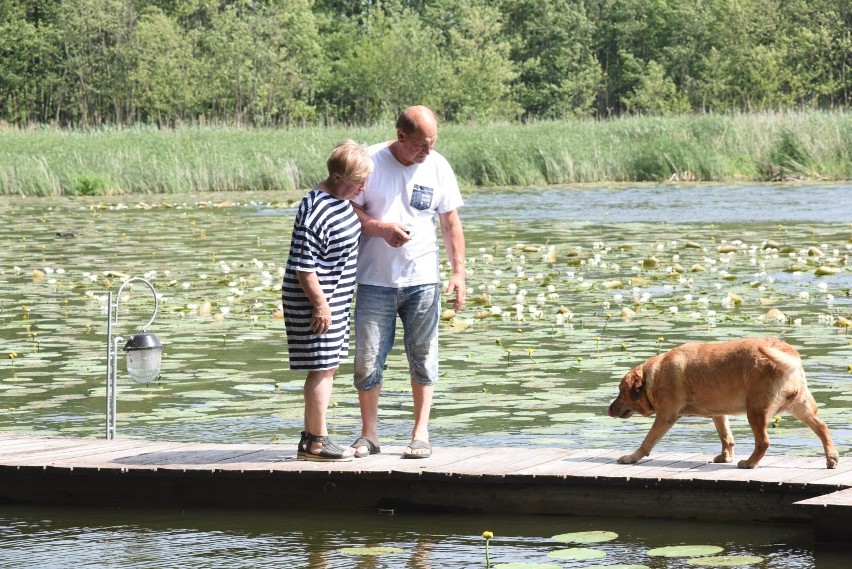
(372, 448)
(329, 452)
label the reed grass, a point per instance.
(812, 145)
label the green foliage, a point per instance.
(788, 157)
(294, 62)
(91, 185)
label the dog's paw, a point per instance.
(831, 461)
(627, 459)
(723, 458)
(745, 464)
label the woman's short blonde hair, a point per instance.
(350, 160)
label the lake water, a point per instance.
(569, 288)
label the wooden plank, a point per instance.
(105, 457)
(767, 473)
(841, 498)
(35, 445)
(489, 461)
(83, 448)
(189, 455)
(571, 463)
(662, 466)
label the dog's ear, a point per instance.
(637, 383)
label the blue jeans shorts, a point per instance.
(376, 309)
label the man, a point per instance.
(398, 270)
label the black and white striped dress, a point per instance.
(325, 241)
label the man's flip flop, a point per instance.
(365, 442)
(417, 444)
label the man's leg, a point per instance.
(422, 407)
(375, 326)
(419, 312)
(369, 403)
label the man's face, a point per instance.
(416, 146)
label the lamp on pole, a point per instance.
(143, 352)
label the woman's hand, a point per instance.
(321, 319)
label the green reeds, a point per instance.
(812, 145)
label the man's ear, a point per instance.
(637, 384)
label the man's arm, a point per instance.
(451, 230)
(393, 233)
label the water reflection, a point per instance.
(34, 537)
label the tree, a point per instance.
(382, 63)
(93, 36)
(163, 72)
(656, 93)
(552, 46)
(30, 88)
(470, 34)
(263, 61)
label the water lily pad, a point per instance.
(586, 536)
(725, 561)
(684, 551)
(370, 551)
(577, 554)
(514, 565)
(617, 567)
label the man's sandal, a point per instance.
(417, 444)
(372, 448)
(329, 452)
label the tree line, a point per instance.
(85, 63)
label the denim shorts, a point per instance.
(376, 309)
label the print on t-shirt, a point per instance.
(422, 197)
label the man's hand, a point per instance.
(396, 235)
(457, 284)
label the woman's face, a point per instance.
(347, 189)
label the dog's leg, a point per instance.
(807, 413)
(726, 437)
(661, 426)
(757, 420)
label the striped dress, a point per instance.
(325, 241)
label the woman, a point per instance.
(319, 281)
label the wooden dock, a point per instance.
(70, 471)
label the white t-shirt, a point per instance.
(410, 196)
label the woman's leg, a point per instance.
(317, 393)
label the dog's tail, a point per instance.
(783, 362)
(786, 364)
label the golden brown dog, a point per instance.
(757, 377)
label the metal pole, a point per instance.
(109, 374)
(112, 351)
